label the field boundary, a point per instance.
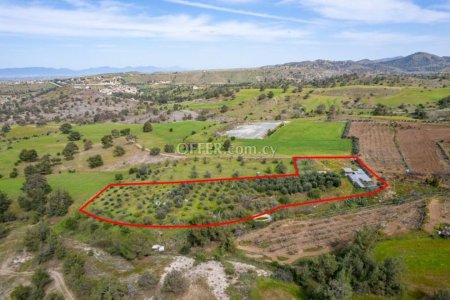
(272, 210)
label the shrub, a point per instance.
(95, 161)
(107, 141)
(74, 136)
(28, 155)
(147, 127)
(118, 151)
(147, 280)
(175, 283)
(65, 128)
(155, 151)
(169, 148)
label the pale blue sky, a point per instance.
(197, 34)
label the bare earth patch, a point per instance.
(294, 239)
(438, 212)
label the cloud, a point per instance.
(237, 11)
(110, 21)
(371, 11)
(379, 37)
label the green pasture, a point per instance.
(242, 96)
(305, 137)
(426, 260)
(413, 96)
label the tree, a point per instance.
(115, 133)
(40, 279)
(95, 161)
(28, 155)
(21, 292)
(5, 202)
(224, 109)
(74, 136)
(270, 95)
(36, 185)
(331, 112)
(147, 280)
(226, 145)
(444, 102)
(109, 288)
(118, 151)
(107, 141)
(88, 145)
(65, 128)
(155, 151)
(125, 131)
(169, 148)
(147, 127)
(280, 168)
(262, 97)
(381, 110)
(320, 109)
(69, 151)
(59, 203)
(175, 282)
(118, 177)
(6, 128)
(54, 296)
(420, 112)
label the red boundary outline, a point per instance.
(297, 173)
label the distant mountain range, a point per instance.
(49, 73)
(419, 62)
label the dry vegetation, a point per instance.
(289, 240)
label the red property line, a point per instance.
(297, 173)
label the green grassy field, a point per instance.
(268, 288)
(242, 96)
(426, 260)
(305, 137)
(413, 96)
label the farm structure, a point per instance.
(359, 178)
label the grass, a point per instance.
(426, 260)
(242, 96)
(269, 288)
(413, 96)
(305, 137)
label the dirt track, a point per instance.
(58, 282)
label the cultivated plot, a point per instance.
(223, 201)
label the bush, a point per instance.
(147, 127)
(28, 155)
(21, 292)
(107, 141)
(59, 203)
(175, 283)
(65, 128)
(118, 151)
(147, 280)
(74, 136)
(155, 151)
(169, 148)
(95, 161)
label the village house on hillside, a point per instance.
(359, 178)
